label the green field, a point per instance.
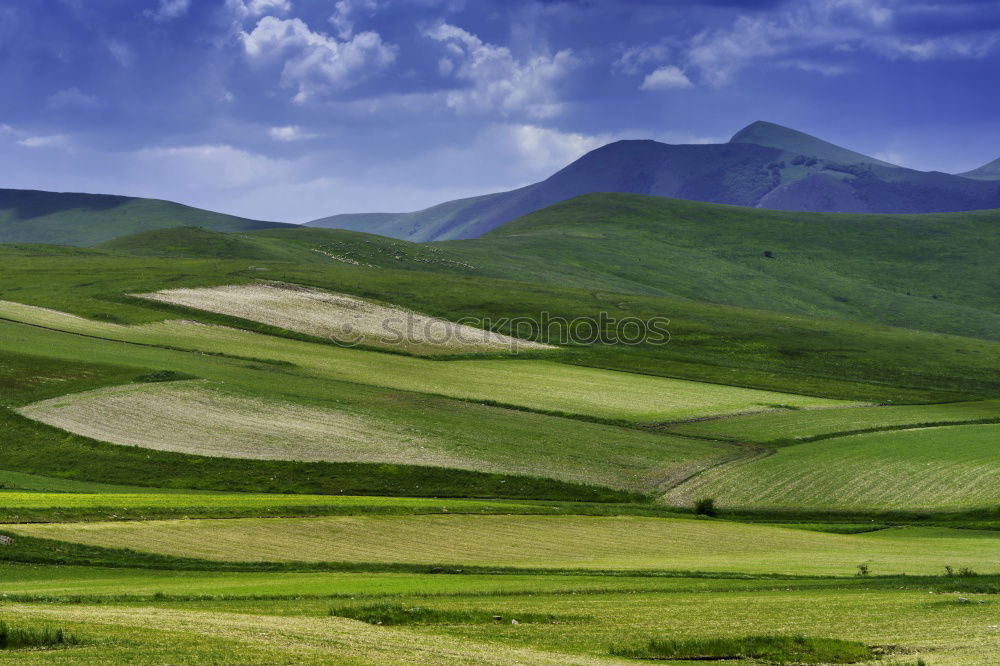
(575, 542)
(790, 427)
(180, 486)
(538, 385)
(941, 467)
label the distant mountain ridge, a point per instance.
(764, 165)
(70, 218)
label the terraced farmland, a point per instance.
(346, 319)
(541, 541)
(941, 467)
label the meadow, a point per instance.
(206, 481)
(543, 542)
(926, 468)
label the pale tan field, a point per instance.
(195, 417)
(206, 418)
(341, 317)
(544, 541)
(535, 384)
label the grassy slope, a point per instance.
(538, 385)
(789, 427)
(934, 272)
(542, 541)
(31, 448)
(29, 216)
(949, 466)
(714, 343)
(256, 425)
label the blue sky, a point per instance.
(296, 109)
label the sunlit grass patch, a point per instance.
(775, 649)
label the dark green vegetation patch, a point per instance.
(773, 649)
(390, 614)
(18, 637)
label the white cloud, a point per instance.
(221, 164)
(169, 10)
(48, 141)
(633, 60)
(120, 51)
(248, 8)
(499, 82)
(290, 133)
(548, 149)
(313, 63)
(72, 98)
(344, 12)
(666, 78)
(28, 140)
(823, 26)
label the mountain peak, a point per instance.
(772, 135)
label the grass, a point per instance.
(395, 614)
(19, 638)
(739, 346)
(37, 449)
(345, 319)
(772, 649)
(542, 542)
(942, 467)
(538, 385)
(796, 426)
(25, 507)
(236, 424)
(898, 270)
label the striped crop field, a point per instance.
(940, 467)
(576, 542)
(12, 501)
(532, 384)
(347, 319)
(208, 419)
(793, 425)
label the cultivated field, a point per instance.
(539, 385)
(789, 426)
(940, 467)
(577, 542)
(199, 418)
(344, 318)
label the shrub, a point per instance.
(12, 638)
(774, 649)
(706, 507)
(389, 614)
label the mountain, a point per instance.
(60, 218)
(989, 171)
(764, 165)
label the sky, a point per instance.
(291, 110)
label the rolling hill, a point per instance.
(764, 165)
(63, 218)
(932, 272)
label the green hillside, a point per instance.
(934, 272)
(919, 468)
(33, 216)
